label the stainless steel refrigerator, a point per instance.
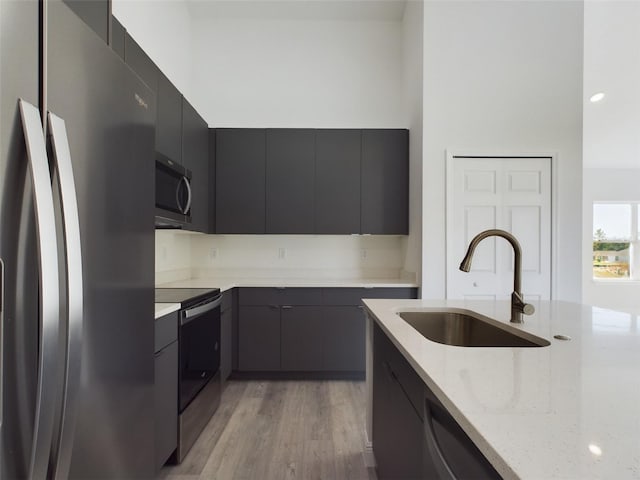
(76, 251)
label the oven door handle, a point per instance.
(190, 314)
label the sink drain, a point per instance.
(562, 337)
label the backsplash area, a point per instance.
(181, 255)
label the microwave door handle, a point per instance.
(46, 393)
(73, 256)
(178, 203)
(187, 184)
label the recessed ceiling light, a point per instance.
(596, 450)
(596, 97)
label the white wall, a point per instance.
(163, 29)
(612, 66)
(611, 131)
(607, 185)
(298, 73)
(306, 256)
(173, 255)
(505, 77)
(412, 82)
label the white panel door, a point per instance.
(512, 194)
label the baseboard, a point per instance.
(368, 455)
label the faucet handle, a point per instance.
(528, 309)
(518, 302)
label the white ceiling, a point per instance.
(350, 10)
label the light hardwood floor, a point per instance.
(272, 430)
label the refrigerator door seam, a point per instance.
(49, 290)
(74, 320)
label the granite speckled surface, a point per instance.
(568, 410)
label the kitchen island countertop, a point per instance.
(568, 410)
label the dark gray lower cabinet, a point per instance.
(414, 436)
(306, 329)
(166, 403)
(343, 338)
(226, 335)
(397, 426)
(301, 338)
(259, 338)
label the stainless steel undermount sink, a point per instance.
(464, 328)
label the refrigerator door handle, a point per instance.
(75, 301)
(49, 291)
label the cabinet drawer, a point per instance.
(354, 296)
(280, 296)
(166, 331)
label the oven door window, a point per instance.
(199, 354)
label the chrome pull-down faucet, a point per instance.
(518, 305)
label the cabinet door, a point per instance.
(343, 339)
(95, 13)
(169, 120)
(117, 37)
(140, 63)
(397, 428)
(290, 165)
(195, 157)
(259, 339)
(301, 340)
(240, 181)
(337, 208)
(212, 180)
(226, 343)
(385, 182)
(166, 403)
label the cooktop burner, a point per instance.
(185, 296)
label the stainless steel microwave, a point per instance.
(173, 194)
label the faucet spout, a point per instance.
(518, 305)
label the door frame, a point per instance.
(480, 153)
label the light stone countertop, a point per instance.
(163, 309)
(569, 410)
(227, 283)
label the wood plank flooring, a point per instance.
(273, 430)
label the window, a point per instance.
(615, 239)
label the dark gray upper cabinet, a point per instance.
(140, 62)
(290, 180)
(385, 182)
(195, 157)
(337, 208)
(117, 37)
(212, 180)
(169, 122)
(95, 13)
(240, 181)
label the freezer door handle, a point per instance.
(75, 301)
(49, 291)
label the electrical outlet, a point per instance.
(213, 253)
(282, 253)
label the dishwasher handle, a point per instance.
(435, 452)
(191, 313)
